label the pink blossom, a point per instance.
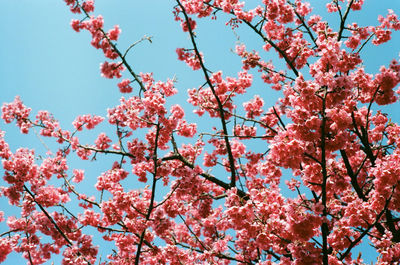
(103, 141)
(303, 8)
(124, 86)
(253, 108)
(49, 196)
(6, 247)
(185, 26)
(190, 58)
(50, 125)
(76, 25)
(245, 131)
(177, 112)
(17, 111)
(111, 70)
(4, 147)
(381, 36)
(167, 88)
(332, 7)
(113, 34)
(187, 130)
(293, 184)
(88, 121)
(90, 217)
(88, 6)
(84, 153)
(78, 175)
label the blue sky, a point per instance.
(56, 69)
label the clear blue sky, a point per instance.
(54, 68)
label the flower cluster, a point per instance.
(17, 111)
(225, 90)
(190, 58)
(89, 121)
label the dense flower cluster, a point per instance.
(189, 57)
(16, 111)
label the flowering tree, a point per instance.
(212, 195)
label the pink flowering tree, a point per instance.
(218, 193)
